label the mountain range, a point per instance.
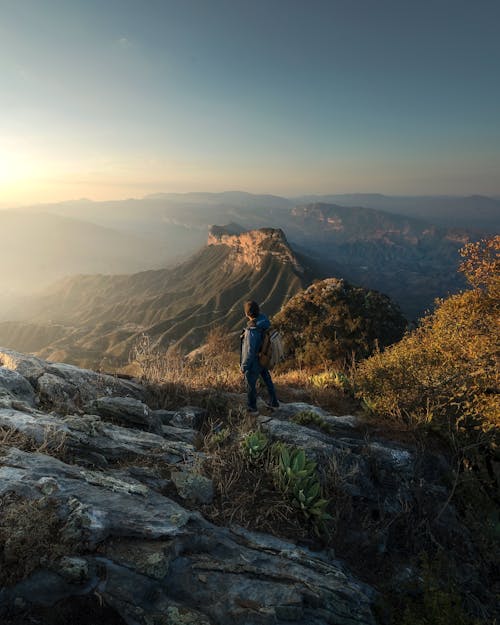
(412, 260)
(95, 320)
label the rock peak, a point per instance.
(252, 247)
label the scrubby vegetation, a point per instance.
(263, 485)
(445, 374)
(443, 380)
(333, 321)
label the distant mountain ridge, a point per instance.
(475, 212)
(412, 260)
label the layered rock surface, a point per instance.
(147, 556)
(123, 481)
(254, 247)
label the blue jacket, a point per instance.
(251, 340)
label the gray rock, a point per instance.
(58, 393)
(64, 386)
(188, 417)
(287, 410)
(73, 569)
(180, 434)
(97, 504)
(165, 416)
(193, 486)
(16, 386)
(92, 384)
(378, 472)
(145, 557)
(159, 563)
(315, 443)
(150, 476)
(30, 367)
(126, 411)
(343, 421)
(47, 485)
(93, 441)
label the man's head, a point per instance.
(251, 309)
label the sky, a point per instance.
(108, 99)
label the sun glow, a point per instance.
(13, 168)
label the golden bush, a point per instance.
(446, 372)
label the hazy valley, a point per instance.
(180, 296)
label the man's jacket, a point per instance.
(251, 340)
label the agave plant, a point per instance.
(254, 444)
(298, 479)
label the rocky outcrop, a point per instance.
(66, 387)
(130, 508)
(156, 556)
(124, 533)
(126, 411)
(252, 248)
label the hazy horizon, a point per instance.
(117, 100)
(312, 194)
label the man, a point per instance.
(251, 340)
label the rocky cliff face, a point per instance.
(102, 496)
(252, 248)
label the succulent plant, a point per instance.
(298, 479)
(254, 444)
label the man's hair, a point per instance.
(251, 309)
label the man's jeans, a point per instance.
(251, 377)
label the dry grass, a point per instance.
(300, 385)
(174, 380)
(54, 443)
(246, 495)
(30, 537)
(245, 489)
(13, 438)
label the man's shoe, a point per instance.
(252, 411)
(273, 406)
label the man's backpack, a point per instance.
(271, 350)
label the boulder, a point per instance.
(378, 472)
(13, 384)
(65, 387)
(30, 367)
(126, 411)
(193, 487)
(179, 434)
